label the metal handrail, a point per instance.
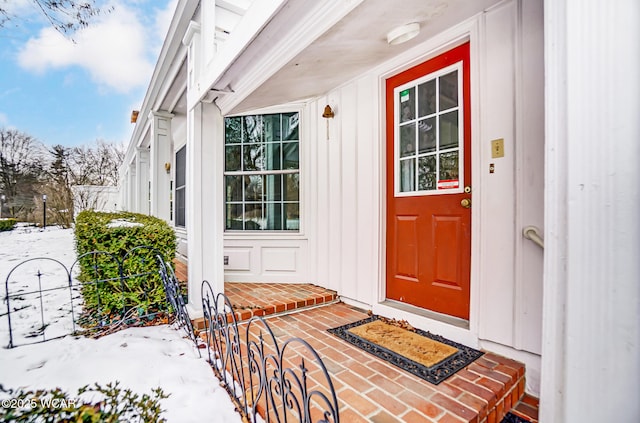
(533, 233)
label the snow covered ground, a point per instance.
(140, 358)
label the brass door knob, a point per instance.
(466, 203)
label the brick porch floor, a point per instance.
(370, 389)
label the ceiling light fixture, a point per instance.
(403, 33)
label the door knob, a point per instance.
(466, 203)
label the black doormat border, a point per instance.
(434, 374)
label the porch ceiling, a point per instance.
(354, 45)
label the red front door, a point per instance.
(429, 184)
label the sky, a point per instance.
(73, 92)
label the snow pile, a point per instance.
(140, 358)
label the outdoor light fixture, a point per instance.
(167, 167)
(134, 116)
(44, 211)
(403, 33)
(328, 113)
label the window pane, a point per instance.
(292, 216)
(291, 187)
(291, 155)
(407, 104)
(427, 98)
(181, 164)
(252, 157)
(265, 144)
(272, 130)
(253, 220)
(449, 90)
(408, 140)
(407, 175)
(273, 215)
(253, 188)
(272, 157)
(234, 217)
(233, 130)
(252, 129)
(232, 157)
(233, 188)
(273, 188)
(427, 135)
(449, 166)
(180, 207)
(290, 126)
(427, 173)
(449, 130)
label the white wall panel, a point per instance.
(267, 259)
(497, 221)
(279, 260)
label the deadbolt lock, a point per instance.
(467, 189)
(466, 203)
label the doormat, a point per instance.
(428, 356)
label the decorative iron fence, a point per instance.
(278, 382)
(44, 298)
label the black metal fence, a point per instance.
(278, 382)
(44, 299)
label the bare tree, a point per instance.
(66, 16)
(96, 165)
(21, 169)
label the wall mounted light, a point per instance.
(167, 167)
(134, 116)
(328, 113)
(403, 33)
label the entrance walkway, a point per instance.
(371, 390)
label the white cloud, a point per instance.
(114, 49)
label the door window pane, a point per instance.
(449, 91)
(449, 130)
(407, 140)
(449, 166)
(407, 175)
(427, 98)
(428, 133)
(407, 105)
(427, 173)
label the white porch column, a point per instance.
(160, 155)
(141, 204)
(131, 191)
(591, 317)
(205, 194)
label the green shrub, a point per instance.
(141, 291)
(114, 405)
(7, 224)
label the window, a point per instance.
(181, 165)
(262, 173)
(429, 134)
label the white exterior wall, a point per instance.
(344, 173)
